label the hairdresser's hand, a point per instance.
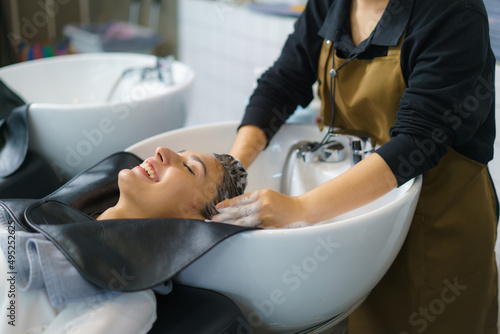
(265, 208)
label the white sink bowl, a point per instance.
(286, 280)
(73, 125)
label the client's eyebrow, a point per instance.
(196, 158)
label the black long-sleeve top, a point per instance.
(447, 64)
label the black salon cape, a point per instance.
(120, 255)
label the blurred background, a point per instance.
(228, 43)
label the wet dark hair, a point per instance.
(233, 183)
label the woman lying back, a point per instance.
(186, 184)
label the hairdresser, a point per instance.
(418, 76)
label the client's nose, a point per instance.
(165, 155)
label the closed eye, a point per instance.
(189, 169)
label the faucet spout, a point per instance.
(301, 150)
(360, 146)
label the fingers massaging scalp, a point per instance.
(243, 212)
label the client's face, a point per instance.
(170, 185)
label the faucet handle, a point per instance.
(357, 150)
(360, 149)
(307, 150)
(333, 151)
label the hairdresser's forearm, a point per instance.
(366, 181)
(249, 142)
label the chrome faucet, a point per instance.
(329, 150)
(161, 72)
(332, 150)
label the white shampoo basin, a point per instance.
(287, 280)
(72, 123)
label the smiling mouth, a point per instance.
(149, 169)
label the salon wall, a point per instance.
(32, 25)
(228, 46)
(41, 22)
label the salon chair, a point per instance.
(34, 179)
(23, 173)
(194, 310)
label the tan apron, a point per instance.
(444, 280)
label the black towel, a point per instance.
(126, 254)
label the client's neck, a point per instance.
(113, 213)
(119, 212)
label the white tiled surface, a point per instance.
(226, 45)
